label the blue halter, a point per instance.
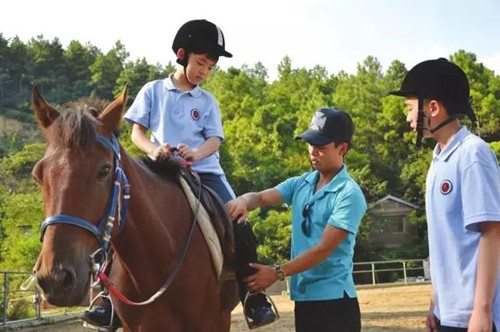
(104, 227)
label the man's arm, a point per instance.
(239, 207)
(488, 264)
(330, 239)
(266, 276)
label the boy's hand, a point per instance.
(480, 321)
(186, 152)
(237, 209)
(431, 320)
(162, 152)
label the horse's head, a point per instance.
(77, 176)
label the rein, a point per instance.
(180, 260)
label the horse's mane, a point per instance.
(76, 128)
(168, 168)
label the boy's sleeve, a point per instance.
(348, 211)
(140, 110)
(213, 123)
(481, 194)
(287, 188)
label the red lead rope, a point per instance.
(114, 291)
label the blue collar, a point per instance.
(335, 184)
(169, 84)
(455, 142)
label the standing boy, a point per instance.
(462, 201)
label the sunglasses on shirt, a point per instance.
(306, 222)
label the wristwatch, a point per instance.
(280, 273)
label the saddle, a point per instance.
(218, 218)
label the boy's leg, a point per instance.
(246, 250)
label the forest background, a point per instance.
(260, 119)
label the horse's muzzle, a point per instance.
(61, 287)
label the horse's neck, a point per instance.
(153, 233)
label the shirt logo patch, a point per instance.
(446, 187)
(195, 114)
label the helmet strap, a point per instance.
(184, 63)
(420, 122)
(444, 123)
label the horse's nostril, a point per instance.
(68, 278)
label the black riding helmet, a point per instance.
(200, 37)
(442, 81)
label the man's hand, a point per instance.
(237, 209)
(262, 279)
(162, 152)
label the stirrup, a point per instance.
(111, 327)
(250, 323)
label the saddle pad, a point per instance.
(206, 227)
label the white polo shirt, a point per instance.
(177, 117)
(462, 190)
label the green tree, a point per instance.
(106, 69)
(79, 58)
(49, 68)
(137, 73)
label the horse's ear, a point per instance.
(112, 114)
(45, 113)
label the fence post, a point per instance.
(404, 272)
(5, 294)
(373, 273)
(38, 301)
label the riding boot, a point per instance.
(257, 307)
(101, 315)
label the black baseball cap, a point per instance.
(328, 125)
(204, 34)
(437, 79)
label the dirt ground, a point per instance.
(387, 309)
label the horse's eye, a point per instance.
(104, 171)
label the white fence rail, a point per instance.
(377, 272)
(408, 270)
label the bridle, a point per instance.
(102, 231)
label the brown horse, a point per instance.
(78, 175)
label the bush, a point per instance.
(20, 309)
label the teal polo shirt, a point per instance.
(341, 204)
